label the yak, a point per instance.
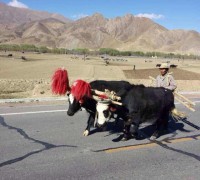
(143, 104)
(139, 103)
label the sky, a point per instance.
(172, 14)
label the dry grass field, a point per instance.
(32, 77)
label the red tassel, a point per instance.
(103, 96)
(80, 88)
(60, 82)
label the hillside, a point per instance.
(123, 33)
(11, 16)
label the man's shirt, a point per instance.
(167, 81)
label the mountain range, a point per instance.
(25, 26)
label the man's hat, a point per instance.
(164, 66)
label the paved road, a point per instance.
(42, 142)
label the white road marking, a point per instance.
(50, 111)
(33, 112)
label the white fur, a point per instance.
(71, 98)
(100, 108)
(86, 133)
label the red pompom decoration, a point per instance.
(80, 88)
(60, 82)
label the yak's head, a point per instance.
(79, 90)
(74, 105)
(103, 112)
(76, 93)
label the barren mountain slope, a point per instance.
(123, 33)
(12, 16)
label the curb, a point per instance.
(62, 98)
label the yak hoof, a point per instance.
(134, 135)
(154, 136)
(126, 137)
(86, 133)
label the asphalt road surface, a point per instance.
(42, 142)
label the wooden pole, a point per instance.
(113, 102)
(186, 99)
(185, 104)
(110, 95)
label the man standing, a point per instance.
(165, 79)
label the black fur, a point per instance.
(145, 104)
(140, 104)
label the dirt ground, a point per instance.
(32, 77)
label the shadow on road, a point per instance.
(147, 130)
(165, 146)
(47, 146)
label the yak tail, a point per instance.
(177, 115)
(60, 82)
